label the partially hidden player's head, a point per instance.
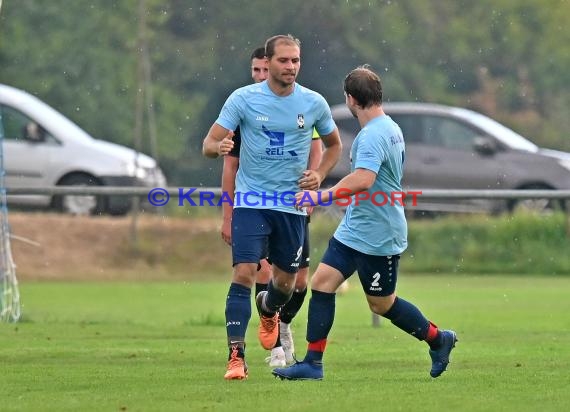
(283, 54)
(364, 86)
(259, 68)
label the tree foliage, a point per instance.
(506, 59)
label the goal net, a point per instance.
(9, 293)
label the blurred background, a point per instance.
(508, 60)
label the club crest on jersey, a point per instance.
(301, 121)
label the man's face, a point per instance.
(285, 64)
(259, 70)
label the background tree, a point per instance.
(506, 59)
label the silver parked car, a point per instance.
(455, 148)
(44, 148)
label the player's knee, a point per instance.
(283, 281)
(380, 304)
(302, 279)
(324, 283)
(263, 275)
(285, 285)
(244, 274)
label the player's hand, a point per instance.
(226, 144)
(227, 231)
(307, 198)
(311, 180)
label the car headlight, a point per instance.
(141, 173)
(137, 171)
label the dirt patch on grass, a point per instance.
(60, 247)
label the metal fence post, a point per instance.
(375, 320)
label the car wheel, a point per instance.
(544, 206)
(119, 205)
(80, 204)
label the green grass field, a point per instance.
(161, 347)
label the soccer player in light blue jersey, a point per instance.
(276, 120)
(283, 352)
(371, 236)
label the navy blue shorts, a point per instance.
(266, 233)
(305, 254)
(378, 274)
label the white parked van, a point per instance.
(44, 148)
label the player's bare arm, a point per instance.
(218, 141)
(306, 182)
(231, 164)
(357, 181)
(316, 154)
(331, 154)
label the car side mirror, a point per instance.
(485, 146)
(34, 133)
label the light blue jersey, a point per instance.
(370, 228)
(276, 134)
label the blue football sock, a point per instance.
(238, 313)
(274, 300)
(291, 308)
(319, 323)
(409, 318)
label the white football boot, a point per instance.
(277, 358)
(286, 337)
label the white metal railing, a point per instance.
(173, 191)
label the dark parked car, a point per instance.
(455, 148)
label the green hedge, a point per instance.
(518, 244)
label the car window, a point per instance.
(448, 133)
(14, 123)
(411, 127)
(349, 126)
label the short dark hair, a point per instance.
(258, 53)
(364, 85)
(271, 42)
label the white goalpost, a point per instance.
(9, 293)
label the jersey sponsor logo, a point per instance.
(276, 143)
(262, 118)
(275, 138)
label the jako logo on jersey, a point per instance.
(262, 118)
(301, 121)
